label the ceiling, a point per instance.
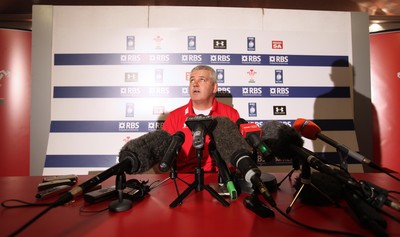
(18, 13)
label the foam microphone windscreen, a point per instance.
(326, 184)
(307, 128)
(149, 149)
(228, 139)
(279, 137)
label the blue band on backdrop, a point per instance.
(212, 59)
(182, 91)
(148, 126)
(69, 161)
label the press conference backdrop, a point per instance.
(117, 71)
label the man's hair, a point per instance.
(213, 75)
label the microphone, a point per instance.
(137, 155)
(377, 196)
(366, 214)
(252, 133)
(280, 136)
(285, 142)
(235, 150)
(310, 130)
(223, 170)
(199, 125)
(123, 166)
(173, 150)
(147, 149)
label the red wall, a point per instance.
(15, 78)
(385, 96)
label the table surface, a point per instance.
(200, 214)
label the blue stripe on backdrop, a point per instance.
(63, 161)
(102, 126)
(147, 126)
(213, 59)
(182, 91)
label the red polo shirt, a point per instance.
(186, 160)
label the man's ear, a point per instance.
(215, 88)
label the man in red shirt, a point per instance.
(202, 88)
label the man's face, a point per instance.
(201, 86)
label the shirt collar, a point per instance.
(190, 112)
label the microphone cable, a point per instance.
(327, 231)
(27, 204)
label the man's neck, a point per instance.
(202, 105)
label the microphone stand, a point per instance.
(252, 202)
(198, 185)
(343, 159)
(174, 175)
(121, 204)
(295, 166)
(305, 178)
(194, 123)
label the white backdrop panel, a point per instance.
(118, 71)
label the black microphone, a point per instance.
(377, 196)
(123, 166)
(310, 130)
(366, 214)
(199, 125)
(223, 170)
(147, 149)
(252, 133)
(328, 189)
(282, 139)
(235, 150)
(173, 150)
(137, 155)
(285, 142)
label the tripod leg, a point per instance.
(294, 199)
(216, 195)
(287, 176)
(183, 181)
(183, 195)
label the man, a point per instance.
(202, 88)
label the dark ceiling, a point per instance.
(20, 11)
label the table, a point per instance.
(199, 215)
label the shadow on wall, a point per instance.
(342, 70)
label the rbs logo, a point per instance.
(278, 59)
(249, 91)
(251, 59)
(130, 58)
(224, 91)
(159, 58)
(191, 58)
(130, 91)
(129, 126)
(220, 58)
(279, 91)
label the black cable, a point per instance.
(19, 230)
(26, 204)
(337, 232)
